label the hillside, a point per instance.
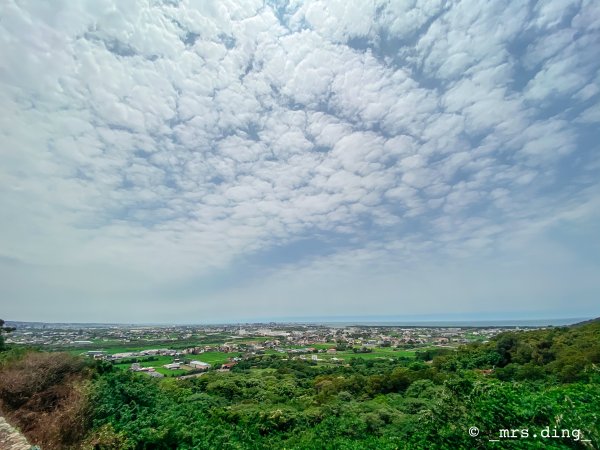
(587, 322)
(521, 380)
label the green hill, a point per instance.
(524, 384)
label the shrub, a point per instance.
(44, 394)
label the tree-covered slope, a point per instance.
(529, 382)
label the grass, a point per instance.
(157, 364)
(376, 353)
(112, 346)
(213, 357)
(171, 373)
(119, 349)
(147, 362)
(207, 357)
(254, 340)
(322, 346)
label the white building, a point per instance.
(199, 365)
(172, 366)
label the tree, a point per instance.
(3, 330)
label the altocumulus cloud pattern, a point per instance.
(287, 157)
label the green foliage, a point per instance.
(3, 330)
(518, 380)
(560, 354)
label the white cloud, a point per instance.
(169, 141)
(590, 115)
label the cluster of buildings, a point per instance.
(73, 334)
(101, 354)
(242, 339)
(175, 365)
(370, 336)
(294, 341)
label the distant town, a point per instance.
(184, 351)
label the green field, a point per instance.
(124, 349)
(207, 357)
(119, 349)
(252, 340)
(113, 346)
(213, 357)
(157, 364)
(346, 355)
(321, 346)
(145, 362)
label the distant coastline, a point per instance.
(464, 323)
(333, 322)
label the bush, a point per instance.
(45, 395)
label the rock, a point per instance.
(11, 439)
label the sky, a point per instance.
(207, 161)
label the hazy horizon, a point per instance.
(209, 160)
(418, 320)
